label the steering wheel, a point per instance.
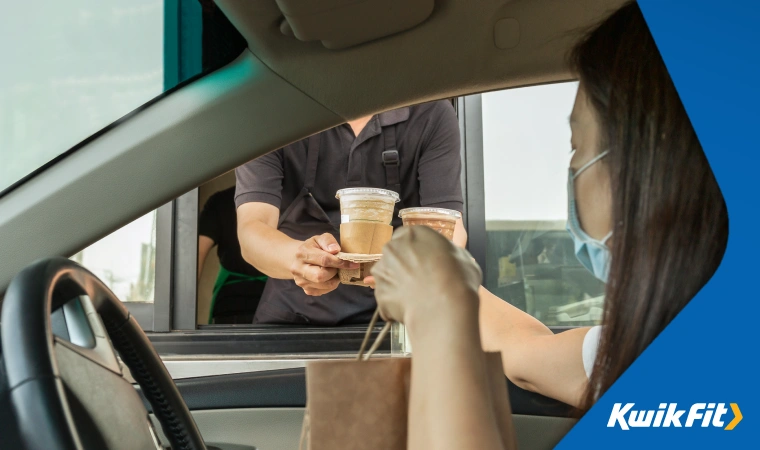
(66, 385)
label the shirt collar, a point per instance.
(393, 116)
(375, 124)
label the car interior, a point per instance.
(81, 369)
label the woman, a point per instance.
(238, 286)
(646, 215)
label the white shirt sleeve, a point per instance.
(590, 345)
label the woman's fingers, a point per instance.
(422, 273)
(389, 301)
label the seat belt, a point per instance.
(392, 163)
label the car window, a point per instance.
(530, 259)
(69, 69)
(125, 260)
(231, 291)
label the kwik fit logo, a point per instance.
(668, 415)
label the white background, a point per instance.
(526, 139)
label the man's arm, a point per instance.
(534, 357)
(312, 264)
(440, 166)
(261, 244)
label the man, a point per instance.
(289, 218)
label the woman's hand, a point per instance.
(424, 277)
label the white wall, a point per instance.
(526, 138)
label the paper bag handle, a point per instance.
(361, 356)
(306, 429)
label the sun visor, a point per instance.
(344, 23)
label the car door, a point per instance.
(242, 401)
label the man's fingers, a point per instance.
(321, 258)
(328, 285)
(304, 274)
(317, 274)
(314, 292)
(323, 288)
(327, 243)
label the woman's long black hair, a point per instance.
(670, 220)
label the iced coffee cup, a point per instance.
(366, 205)
(440, 219)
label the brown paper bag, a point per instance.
(364, 403)
(357, 404)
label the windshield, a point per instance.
(69, 69)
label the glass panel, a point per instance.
(230, 288)
(69, 69)
(530, 260)
(125, 260)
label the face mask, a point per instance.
(593, 254)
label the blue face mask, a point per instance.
(593, 254)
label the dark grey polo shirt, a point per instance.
(427, 139)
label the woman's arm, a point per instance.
(450, 405)
(534, 357)
(205, 244)
(432, 286)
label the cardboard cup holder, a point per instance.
(356, 276)
(361, 242)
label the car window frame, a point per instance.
(177, 226)
(180, 228)
(183, 64)
(176, 278)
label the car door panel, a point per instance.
(265, 409)
(287, 388)
(280, 429)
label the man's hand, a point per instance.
(315, 267)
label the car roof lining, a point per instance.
(341, 24)
(458, 40)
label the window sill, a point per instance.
(264, 342)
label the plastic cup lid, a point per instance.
(443, 211)
(368, 191)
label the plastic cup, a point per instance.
(440, 219)
(366, 205)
